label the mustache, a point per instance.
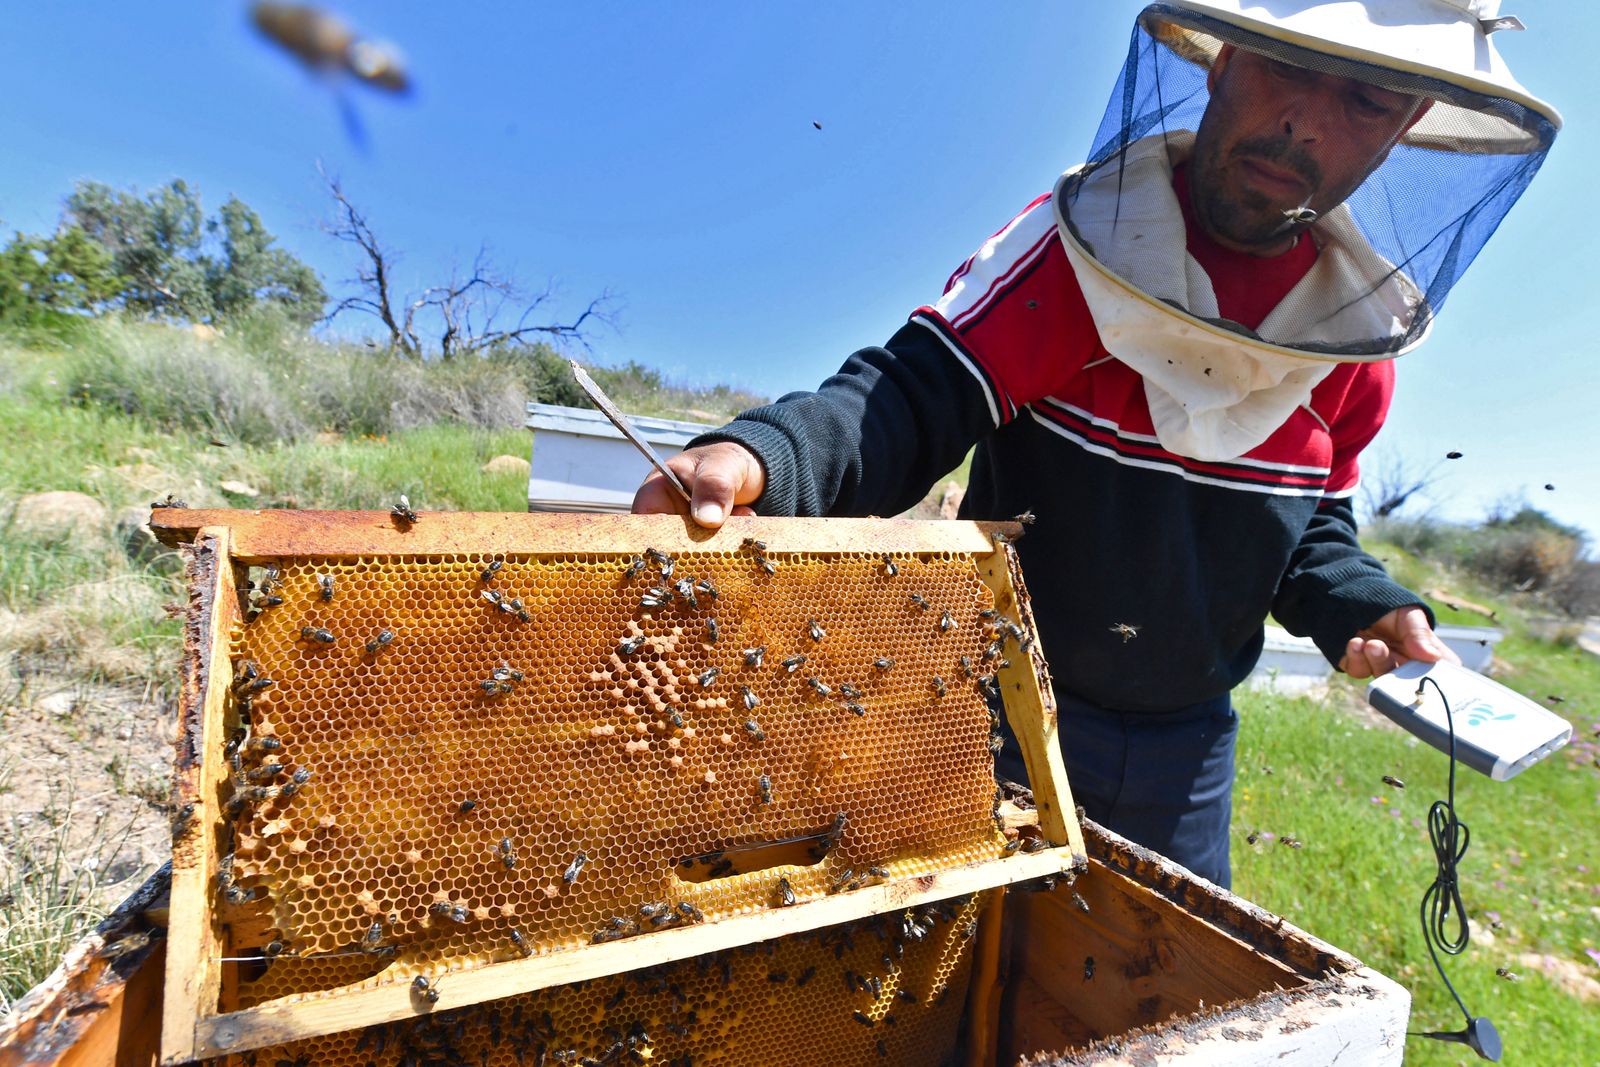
(1280, 152)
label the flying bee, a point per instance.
(946, 623)
(685, 589)
(1079, 903)
(855, 709)
(1390, 779)
(383, 638)
(708, 676)
(920, 601)
(753, 728)
(822, 690)
(752, 656)
(848, 691)
(1508, 974)
(938, 685)
(764, 784)
(883, 663)
(570, 875)
(325, 587)
(751, 701)
(1252, 837)
(1291, 840)
(713, 631)
(402, 512)
(508, 854)
(786, 895)
(816, 631)
(704, 586)
(318, 634)
(1124, 630)
(890, 568)
(794, 663)
(424, 989)
(1026, 518)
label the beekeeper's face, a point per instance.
(1276, 137)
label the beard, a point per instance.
(1237, 213)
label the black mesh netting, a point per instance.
(1425, 211)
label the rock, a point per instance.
(238, 488)
(950, 503)
(507, 465)
(59, 513)
(328, 437)
(59, 705)
(203, 332)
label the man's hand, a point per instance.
(1400, 636)
(723, 478)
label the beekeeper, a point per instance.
(1174, 361)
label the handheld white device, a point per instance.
(1498, 732)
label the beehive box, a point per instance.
(433, 760)
(842, 885)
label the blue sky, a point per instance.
(666, 152)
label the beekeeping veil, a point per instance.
(1386, 254)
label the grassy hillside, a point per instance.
(88, 659)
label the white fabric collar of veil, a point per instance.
(1214, 394)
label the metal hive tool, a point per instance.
(503, 753)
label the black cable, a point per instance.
(1449, 836)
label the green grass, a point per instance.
(1313, 769)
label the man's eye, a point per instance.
(1370, 107)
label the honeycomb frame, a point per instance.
(209, 985)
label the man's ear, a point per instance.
(1218, 65)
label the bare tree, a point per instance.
(466, 315)
(1391, 482)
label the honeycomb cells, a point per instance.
(533, 756)
(889, 990)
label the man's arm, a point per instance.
(869, 441)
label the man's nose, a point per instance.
(1302, 116)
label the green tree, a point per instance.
(251, 271)
(69, 272)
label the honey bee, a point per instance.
(520, 941)
(1079, 903)
(571, 873)
(708, 676)
(506, 673)
(946, 623)
(1035, 844)
(794, 663)
(655, 597)
(713, 631)
(661, 560)
(848, 691)
(938, 685)
(815, 630)
(629, 645)
(689, 912)
(402, 513)
(754, 545)
(805, 976)
(492, 596)
(635, 568)
(1291, 841)
(383, 638)
(459, 914)
(753, 728)
(1026, 518)
(704, 586)
(855, 709)
(751, 701)
(1088, 968)
(182, 818)
(325, 587)
(822, 690)
(764, 784)
(168, 501)
(492, 569)
(785, 892)
(317, 634)
(263, 744)
(1508, 974)
(1125, 631)
(466, 806)
(296, 780)
(1011, 845)
(883, 663)
(890, 568)
(424, 989)
(1390, 779)
(494, 688)
(272, 949)
(1252, 837)
(373, 941)
(966, 665)
(752, 656)
(767, 566)
(863, 1018)
(920, 601)
(685, 589)
(515, 606)
(508, 854)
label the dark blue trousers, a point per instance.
(1164, 781)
